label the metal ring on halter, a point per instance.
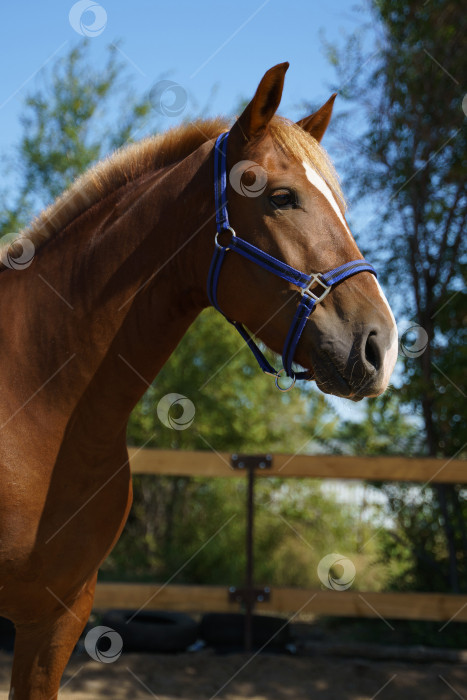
(278, 374)
(227, 228)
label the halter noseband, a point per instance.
(326, 281)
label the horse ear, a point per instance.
(254, 119)
(317, 123)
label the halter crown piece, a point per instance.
(325, 281)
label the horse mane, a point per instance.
(130, 162)
(116, 170)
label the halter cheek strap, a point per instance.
(321, 284)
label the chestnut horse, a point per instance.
(119, 274)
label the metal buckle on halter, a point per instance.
(218, 245)
(315, 279)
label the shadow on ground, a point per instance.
(205, 675)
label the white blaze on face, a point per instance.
(390, 356)
(391, 353)
(324, 188)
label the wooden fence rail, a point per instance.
(299, 602)
(190, 463)
(406, 606)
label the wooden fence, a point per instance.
(299, 602)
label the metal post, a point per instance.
(249, 594)
(249, 603)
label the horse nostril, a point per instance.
(372, 351)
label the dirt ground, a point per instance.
(205, 675)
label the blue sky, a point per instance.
(199, 45)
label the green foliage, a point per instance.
(386, 428)
(411, 545)
(204, 541)
(237, 408)
(449, 359)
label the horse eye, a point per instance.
(282, 199)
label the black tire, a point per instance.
(152, 631)
(7, 634)
(226, 631)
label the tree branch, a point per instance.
(454, 262)
(447, 228)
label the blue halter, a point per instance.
(300, 279)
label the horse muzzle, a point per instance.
(354, 367)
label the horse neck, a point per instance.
(109, 299)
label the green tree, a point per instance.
(411, 546)
(409, 156)
(385, 428)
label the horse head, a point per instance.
(286, 212)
